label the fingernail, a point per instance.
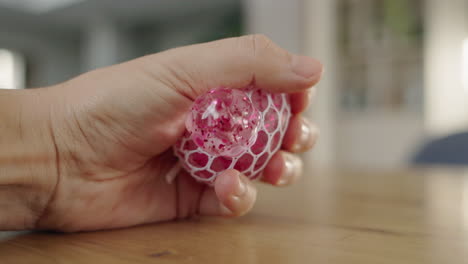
(305, 66)
(225, 211)
(241, 187)
(304, 141)
(293, 169)
(311, 93)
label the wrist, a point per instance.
(28, 173)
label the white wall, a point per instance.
(278, 19)
(446, 99)
(320, 41)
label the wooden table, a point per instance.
(412, 216)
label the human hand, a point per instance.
(113, 129)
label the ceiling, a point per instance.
(71, 14)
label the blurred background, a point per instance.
(395, 89)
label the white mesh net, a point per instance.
(275, 114)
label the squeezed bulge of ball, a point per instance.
(223, 122)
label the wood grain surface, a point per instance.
(331, 216)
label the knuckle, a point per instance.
(261, 46)
(256, 43)
(260, 40)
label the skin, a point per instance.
(92, 153)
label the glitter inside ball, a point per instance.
(223, 122)
(233, 129)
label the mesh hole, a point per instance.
(271, 120)
(244, 162)
(204, 174)
(260, 143)
(261, 161)
(278, 100)
(220, 164)
(275, 141)
(198, 160)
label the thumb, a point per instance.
(234, 62)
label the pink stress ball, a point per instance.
(233, 129)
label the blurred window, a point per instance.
(12, 69)
(381, 55)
